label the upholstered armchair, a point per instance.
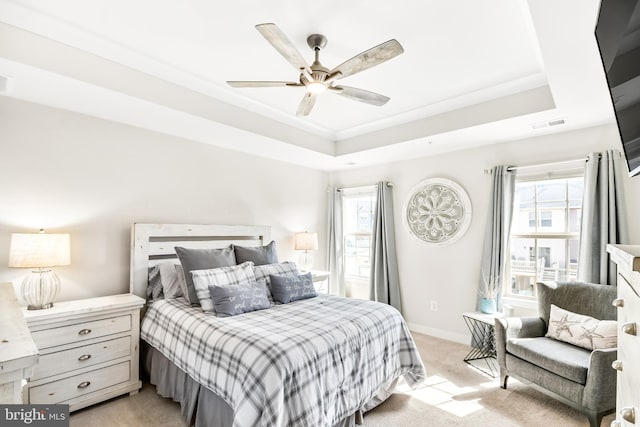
(581, 378)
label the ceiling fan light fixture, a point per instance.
(316, 87)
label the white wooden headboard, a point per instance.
(154, 243)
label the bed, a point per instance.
(321, 361)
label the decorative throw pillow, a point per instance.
(170, 281)
(286, 268)
(238, 299)
(582, 331)
(181, 282)
(287, 289)
(258, 255)
(202, 259)
(222, 276)
(154, 287)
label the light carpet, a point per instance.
(454, 394)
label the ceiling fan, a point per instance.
(317, 78)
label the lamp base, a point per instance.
(40, 307)
(306, 261)
(39, 289)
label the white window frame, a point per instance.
(526, 301)
(369, 191)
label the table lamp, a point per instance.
(306, 242)
(39, 251)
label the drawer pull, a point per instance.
(629, 328)
(84, 384)
(616, 423)
(88, 356)
(628, 414)
(617, 365)
(618, 302)
(84, 332)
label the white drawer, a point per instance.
(81, 331)
(628, 346)
(78, 385)
(80, 357)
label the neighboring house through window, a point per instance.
(545, 233)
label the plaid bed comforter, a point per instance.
(308, 363)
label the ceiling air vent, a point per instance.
(542, 125)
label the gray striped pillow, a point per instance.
(222, 276)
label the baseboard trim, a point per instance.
(440, 333)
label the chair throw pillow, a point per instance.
(582, 331)
(258, 255)
(287, 289)
(223, 276)
(238, 299)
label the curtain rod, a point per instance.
(363, 187)
(514, 168)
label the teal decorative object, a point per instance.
(488, 305)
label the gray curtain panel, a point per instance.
(385, 280)
(603, 217)
(496, 237)
(335, 241)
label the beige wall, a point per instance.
(449, 274)
(92, 178)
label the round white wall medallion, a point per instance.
(438, 211)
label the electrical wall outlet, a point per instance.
(434, 305)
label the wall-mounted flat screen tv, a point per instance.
(618, 35)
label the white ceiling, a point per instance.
(472, 72)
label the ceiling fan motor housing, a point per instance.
(316, 41)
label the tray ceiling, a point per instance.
(494, 70)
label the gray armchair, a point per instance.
(580, 378)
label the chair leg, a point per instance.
(503, 380)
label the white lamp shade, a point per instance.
(38, 250)
(306, 241)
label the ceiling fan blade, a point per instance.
(250, 83)
(369, 58)
(361, 95)
(306, 105)
(281, 43)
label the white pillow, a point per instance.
(221, 276)
(582, 331)
(169, 278)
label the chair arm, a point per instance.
(515, 327)
(600, 388)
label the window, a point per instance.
(358, 225)
(545, 234)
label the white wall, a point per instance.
(449, 274)
(92, 178)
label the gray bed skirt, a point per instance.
(203, 408)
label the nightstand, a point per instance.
(89, 351)
(18, 352)
(320, 280)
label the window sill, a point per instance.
(521, 303)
